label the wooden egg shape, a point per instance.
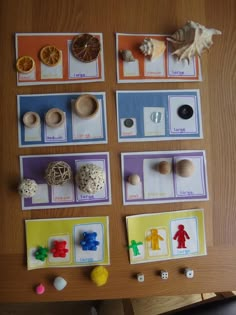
(134, 179)
(164, 167)
(185, 168)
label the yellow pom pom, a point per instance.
(99, 275)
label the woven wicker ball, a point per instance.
(58, 173)
(90, 178)
(27, 188)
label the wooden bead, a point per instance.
(185, 168)
(134, 179)
(164, 167)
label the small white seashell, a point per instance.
(152, 47)
(127, 55)
(27, 188)
(90, 178)
(192, 40)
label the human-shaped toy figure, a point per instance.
(59, 249)
(89, 241)
(181, 235)
(134, 245)
(155, 238)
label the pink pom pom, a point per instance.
(40, 289)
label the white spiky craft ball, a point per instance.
(90, 178)
(27, 188)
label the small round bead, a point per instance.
(134, 179)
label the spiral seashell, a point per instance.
(127, 55)
(192, 40)
(152, 47)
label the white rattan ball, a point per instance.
(90, 178)
(27, 188)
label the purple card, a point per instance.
(163, 177)
(68, 194)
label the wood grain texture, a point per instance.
(218, 109)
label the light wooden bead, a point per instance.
(164, 167)
(185, 168)
(134, 179)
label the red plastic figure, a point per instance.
(59, 249)
(181, 235)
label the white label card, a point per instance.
(134, 191)
(154, 68)
(27, 76)
(131, 69)
(157, 185)
(63, 193)
(41, 195)
(33, 134)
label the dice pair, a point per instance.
(188, 272)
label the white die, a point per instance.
(164, 274)
(189, 273)
(140, 277)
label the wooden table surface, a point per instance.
(214, 272)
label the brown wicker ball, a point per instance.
(58, 173)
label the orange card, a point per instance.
(67, 70)
(166, 67)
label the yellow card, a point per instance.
(67, 242)
(169, 235)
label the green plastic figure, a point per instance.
(134, 245)
(41, 253)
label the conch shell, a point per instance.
(127, 55)
(152, 47)
(192, 40)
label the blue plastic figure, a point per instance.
(89, 242)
